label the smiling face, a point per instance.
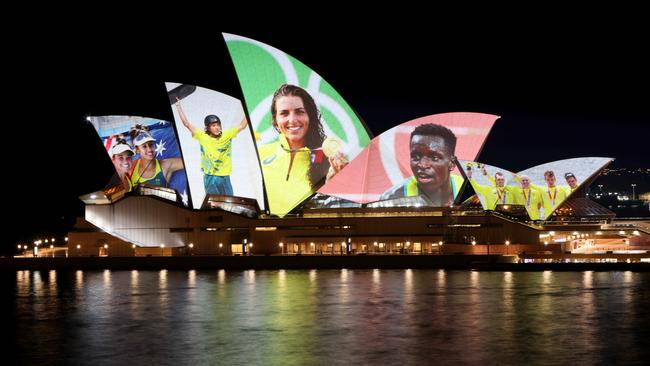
(500, 180)
(430, 161)
(525, 182)
(292, 120)
(572, 181)
(147, 150)
(550, 179)
(122, 162)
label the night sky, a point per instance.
(559, 95)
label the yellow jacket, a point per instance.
(286, 181)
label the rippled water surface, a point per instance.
(326, 317)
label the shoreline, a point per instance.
(452, 262)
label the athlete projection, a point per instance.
(305, 132)
(416, 159)
(541, 189)
(144, 151)
(218, 148)
(557, 180)
(492, 184)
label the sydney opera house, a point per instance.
(292, 169)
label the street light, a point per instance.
(220, 246)
(281, 248)
(162, 250)
(633, 185)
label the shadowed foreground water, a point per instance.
(325, 317)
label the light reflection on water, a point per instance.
(327, 317)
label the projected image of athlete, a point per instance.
(300, 160)
(148, 169)
(122, 157)
(432, 151)
(216, 150)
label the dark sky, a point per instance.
(560, 95)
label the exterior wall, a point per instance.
(91, 244)
(149, 222)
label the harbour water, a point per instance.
(326, 317)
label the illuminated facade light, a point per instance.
(507, 242)
(78, 246)
(266, 228)
(473, 242)
(281, 244)
(220, 245)
(105, 246)
(191, 245)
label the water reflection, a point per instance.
(79, 280)
(330, 316)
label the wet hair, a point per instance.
(432, 129)
(315, 134)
